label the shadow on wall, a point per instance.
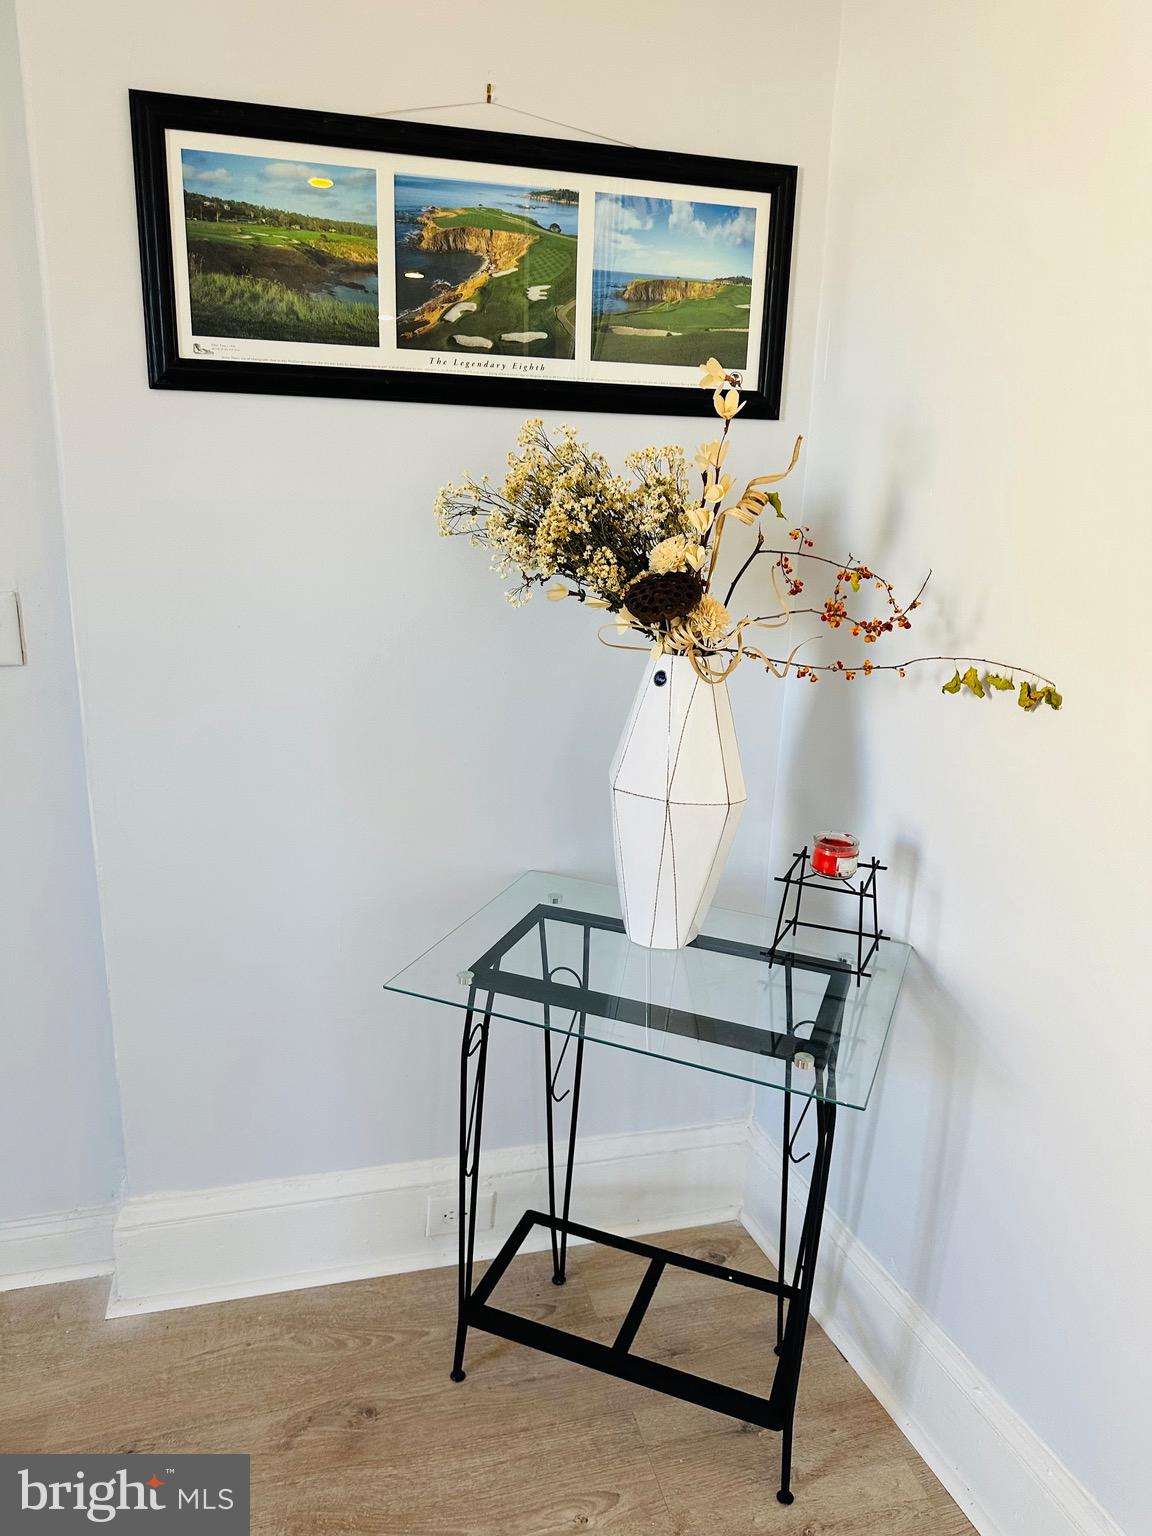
(927, 1076)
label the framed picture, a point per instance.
(311, 253)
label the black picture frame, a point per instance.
(154, 113)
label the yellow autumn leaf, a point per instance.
(712, 375)
(971, 681)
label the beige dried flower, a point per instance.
(727, 403)
(713, 375)
(711, 455)
(672, 554)
(709, 620)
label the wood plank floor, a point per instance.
(342, 1397)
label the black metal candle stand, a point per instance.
(801, 879)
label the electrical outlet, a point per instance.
(444, 1213)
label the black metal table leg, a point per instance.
(782, 1242)
(552, 1097)
(786, 1144)
(473, 1044)
(800, 1302)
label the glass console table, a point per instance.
(550, 952)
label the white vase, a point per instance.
(677, 798)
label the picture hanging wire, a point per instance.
(487, 101)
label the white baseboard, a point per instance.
(46, 1249)
(998, 1470)
(252, 1239)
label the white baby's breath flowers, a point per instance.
(561, 511)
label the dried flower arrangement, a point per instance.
(645, 547)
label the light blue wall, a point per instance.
(317, 736)
(60, 1128)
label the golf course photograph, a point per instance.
(672, 281)
(485, 268)
(281, 250)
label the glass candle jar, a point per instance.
(835, 854)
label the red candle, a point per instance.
(836, 854)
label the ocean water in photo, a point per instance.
(436, 269)
(353, 285)
(606, 288)
(416, 194)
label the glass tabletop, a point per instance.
(551, 952)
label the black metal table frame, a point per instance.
(488, 980)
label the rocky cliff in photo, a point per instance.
(500, 248)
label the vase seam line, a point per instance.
(634, 794)
(723, 754)
(683, 733)
(697, 916)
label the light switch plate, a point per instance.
(11, 631)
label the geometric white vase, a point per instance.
(677, 798)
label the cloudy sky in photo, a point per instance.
(668, 237)
(283, 183)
